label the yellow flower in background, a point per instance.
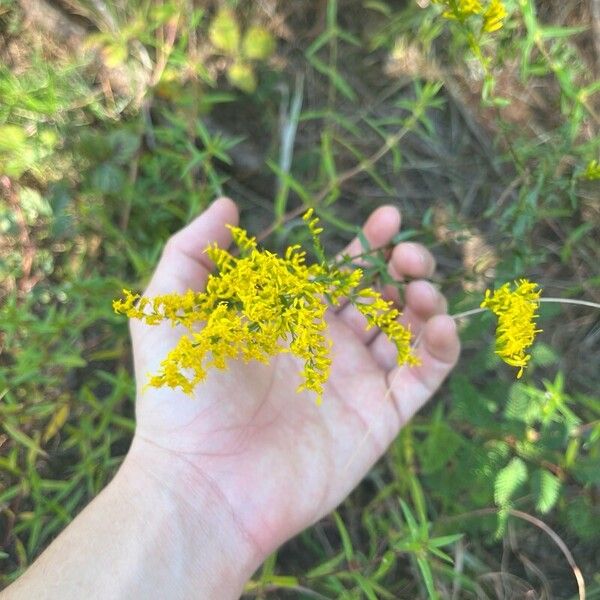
(259, 305)
(493, 14)
(516, 312)
(460, 9)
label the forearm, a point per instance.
(140, 539)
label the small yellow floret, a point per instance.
(516, 312)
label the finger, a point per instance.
(183, 264)
(423, 301)
(379, 230)
(411, 387)
(413, 260)
(408, 260)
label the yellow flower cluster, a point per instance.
(381, 313)
(258, 305)
(516, 312)
(493, 14)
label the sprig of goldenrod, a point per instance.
(516, 312)
(259, 304)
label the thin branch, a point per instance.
(362, 166)
(540, 525)
(559, 542)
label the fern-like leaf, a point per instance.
(508, 481)
(546, 487)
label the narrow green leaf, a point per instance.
(445, 540)
(427, 578)
(23, 439)
(346, 541)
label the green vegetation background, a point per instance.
(120, 121)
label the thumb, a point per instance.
(184, 264)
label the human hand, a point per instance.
(273, 460)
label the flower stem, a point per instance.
(475, 311)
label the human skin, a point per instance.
(214, 483)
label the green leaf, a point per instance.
(469, 403)
(522, 404)
(546, 487)
(387, 562)
(380, 7)
(69, 360)
(23, 439)
(241, 75)
(346, 541)
(543, 355)
(586, 471)
(12, 138)
(439, 447)
(427, 577)
(508, 481)
(417, 533)
(561, 32)
(268, 567)
(405, 234)
(338, 81)
(56, 423)
(224, 32)
(364, 585)
(327, 567)
(445, 540)
(258, 43)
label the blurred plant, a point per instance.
(256, 45)
(592, 171)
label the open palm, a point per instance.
(278, 461)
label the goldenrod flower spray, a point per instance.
(257, 305)
(516, 307)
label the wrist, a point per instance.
(195, 525)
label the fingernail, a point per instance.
(432, 291)
(423, 256)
